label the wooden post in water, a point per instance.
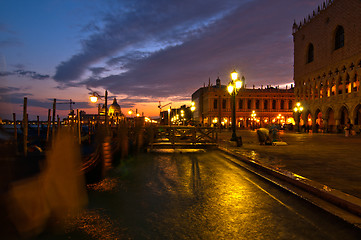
(89, 130)
(106, 109)
(79, 126)
(15, 128)
(48, 129)
(37, 118)
(25, 126)
(58, 121)
(53, 125)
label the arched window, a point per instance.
(240, 104)
(265, 104)
(310, 53)
(257, 104)
(339, 38)
(224, 104)
(215, 103)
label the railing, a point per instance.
(180, 136)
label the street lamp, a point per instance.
(94, 98)
(253, 118)
(298, 110)
(233, 87)
(169, 117)
(193, 108)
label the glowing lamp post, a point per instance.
(94, 98)
(298, 110)
(193, 108)
(253, 118)
(233, 87)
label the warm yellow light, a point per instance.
(138, 115)
(238, 84)
(230, 89)
(295, 109)
(130, 112)
(298, 104)
(234, 75)
(93, 99)
(301, 109)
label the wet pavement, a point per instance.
(330, 159)
(201, 195)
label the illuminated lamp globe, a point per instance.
(234, 75)
(238, 84)
(230, 89)
(93, 99)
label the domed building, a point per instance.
(114, 111)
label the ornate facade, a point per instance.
(271, 104)
(327, 66)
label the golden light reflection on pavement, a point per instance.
(196, 196)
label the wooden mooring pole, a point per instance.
(48, 129)
(15, 128)
(79, 126)
(58, 121)
(37, 118)
(53, 123)
(25, 126)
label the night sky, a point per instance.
(141, 51)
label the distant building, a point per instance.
(327, 65)
(177, 116)
(271, 105)
(114, 112)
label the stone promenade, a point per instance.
(330, 159)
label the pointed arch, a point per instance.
(357, 115)
(344, 115)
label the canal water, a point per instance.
(195, 195)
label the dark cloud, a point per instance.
(5, 73)
(132, 24)
(32, 74)
(127, 58)
(11, 96)
(24, 73)
(201, 39)
(97, 70)
(4, 90)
